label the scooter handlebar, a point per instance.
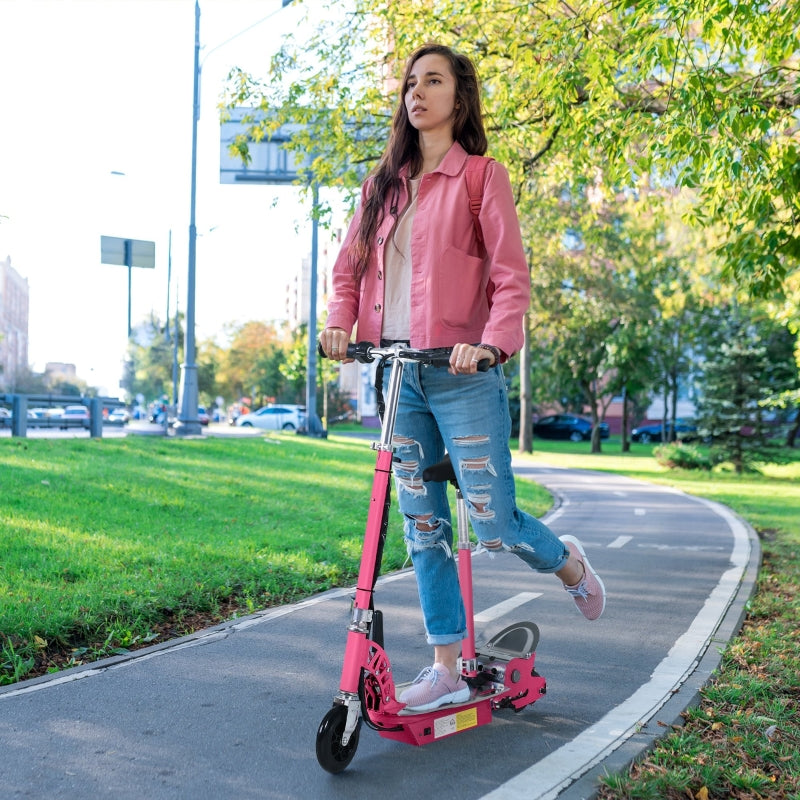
(366, 352)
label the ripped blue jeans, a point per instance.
(466, 416)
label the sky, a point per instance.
(90, 89)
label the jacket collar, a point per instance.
(452, 163)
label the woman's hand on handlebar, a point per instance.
(465, 357)
(334, 343)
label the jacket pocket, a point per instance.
(461, 290)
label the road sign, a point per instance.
(127, 252)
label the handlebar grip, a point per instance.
(360, 351)
(483, 364)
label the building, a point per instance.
(14, 307)
(298, 286)
(57, 371)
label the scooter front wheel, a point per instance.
(332, 755)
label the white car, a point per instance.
(275, 418)
(118, 416)
(76, 415)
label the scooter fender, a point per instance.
(523, 686)
(381, 692)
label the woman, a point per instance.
(412, 269)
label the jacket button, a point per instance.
(378, 307)
(380, 240)
(380, 275)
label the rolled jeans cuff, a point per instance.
(446, 638)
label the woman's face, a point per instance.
(430, 94)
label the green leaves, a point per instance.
(700, 94)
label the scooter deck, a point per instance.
(422, 727)
(522, 687)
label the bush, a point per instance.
(681, 456)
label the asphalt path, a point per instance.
(232, 712)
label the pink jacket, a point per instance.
(449, 277)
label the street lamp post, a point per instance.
(314, 428)
(188, 424)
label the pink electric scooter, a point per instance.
(500, 672)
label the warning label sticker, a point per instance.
(453, 723)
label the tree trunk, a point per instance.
(674, 410)
(626, 442)
(791, 436)
(590, 391)
(525, 392)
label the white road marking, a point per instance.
(545, 779)
(620, 541)
(696, 548)
(500, 609)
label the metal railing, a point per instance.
(20, 403)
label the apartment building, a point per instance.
(14, 306)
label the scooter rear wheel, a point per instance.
(332, 755)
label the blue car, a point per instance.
(568, 427)
(646, 434)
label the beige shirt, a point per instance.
(397, 262)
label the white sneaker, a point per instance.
(434, 687)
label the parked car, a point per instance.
(275, 418)
(75, 416)
(567, 426)
(684, 431)
(118, 416)
(39, 417)
(202, 416)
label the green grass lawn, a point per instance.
(115, 543)
(111, 544)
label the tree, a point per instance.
(252, 363)
(149, 360)
(210, 357)
(738, 380)
(593, 300)
(786, 311)
(692, 94)
(294, 366)
(28, 382)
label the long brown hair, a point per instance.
(403, 147)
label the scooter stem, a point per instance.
(469, 665)
(356, 648)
